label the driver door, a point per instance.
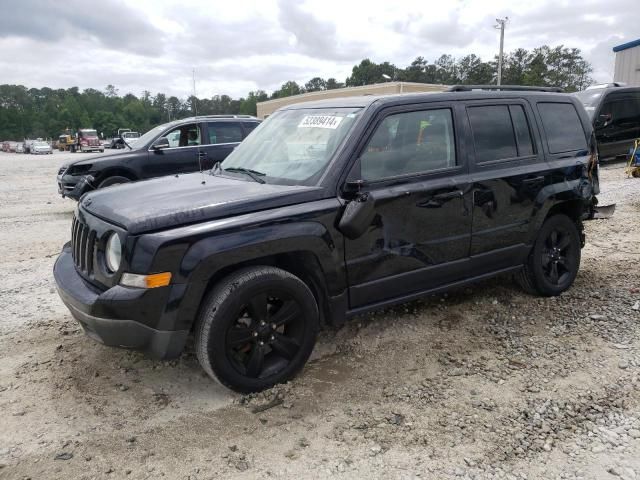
(421, 233)
(182, 155)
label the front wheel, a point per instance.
(554, 260)
(115, 180)
(257, 328)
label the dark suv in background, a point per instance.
(331, 209)
(182, 146)
(614, 109)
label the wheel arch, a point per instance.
(302, 249)
(303, 264)
(572, 207)
(116, 171)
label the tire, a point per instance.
(115, 180)
(246, 354)
(554, 261)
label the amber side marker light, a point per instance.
(154, 280)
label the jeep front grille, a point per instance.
(83, 242)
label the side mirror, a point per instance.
(358, 215)
(353, 188)
(160, 143)
(604, 119)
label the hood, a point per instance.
(174, 201)
(98, 159)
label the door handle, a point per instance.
(202, 154)
(449, 195)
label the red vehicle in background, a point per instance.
(87, 140)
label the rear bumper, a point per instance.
(85, 304)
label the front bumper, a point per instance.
(74, 186)
(86, 304)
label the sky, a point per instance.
(243, 45)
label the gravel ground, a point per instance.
(485, 382)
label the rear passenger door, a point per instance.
(415, 169)
(222, 138)
(508, 172)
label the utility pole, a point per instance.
(501, 23)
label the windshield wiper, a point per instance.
(254, 174)
(126, 143)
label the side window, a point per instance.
(493, 134)
(224, 132)
(522, 129)
(624, 109)
(250, 127)
(412, 142)
(562, 126)
(184, 136)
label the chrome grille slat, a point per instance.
(73, 235)
(75, 241)
(83, 242)
(84, 234)
(91, 241)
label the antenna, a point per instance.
(195, 110)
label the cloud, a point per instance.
(109, 23)
(314, 37)
(260, 44)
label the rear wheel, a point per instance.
(257, 328)
(115, 180)
(554, 261)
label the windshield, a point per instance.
(88, 133)
(130, 135)
(293, 146)
(590, 99)
(150, 135)
(41, 144)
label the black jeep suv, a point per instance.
(330, 209)
(182, 146)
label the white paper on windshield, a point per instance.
(320, 121)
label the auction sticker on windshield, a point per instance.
(320, 121)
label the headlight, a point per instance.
(80, 169)
(114, 252)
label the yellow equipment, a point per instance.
(633, 165)
(65, 141)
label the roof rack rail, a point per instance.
(230, 115)
(606, 85)
(468, 88)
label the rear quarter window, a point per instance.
(562, 127)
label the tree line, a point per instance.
(45, 112)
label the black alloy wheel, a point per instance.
(266, 336)
(557, 256)
(257, 328)
(554, 260)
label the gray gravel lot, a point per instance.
(485, 382)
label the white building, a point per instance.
(627, 68)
